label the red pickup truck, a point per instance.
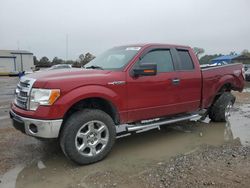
(125, 89)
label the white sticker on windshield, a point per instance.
(133, 48)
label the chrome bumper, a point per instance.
(36, 127)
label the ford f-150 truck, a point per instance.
(125, 89)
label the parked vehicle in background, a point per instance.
(126, 89)
(219, 63)
(246, 66)
(213, 64)
(60, 66)
(55, 67)
(247, 75)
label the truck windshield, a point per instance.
(113, 59)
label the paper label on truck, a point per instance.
(133, 48)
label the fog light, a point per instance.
(33, 128)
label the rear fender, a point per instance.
(223, 81)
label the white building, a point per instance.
(16, 61)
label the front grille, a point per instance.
(24, 84)
(22, 92)
(22, 96)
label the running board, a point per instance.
(161, 122)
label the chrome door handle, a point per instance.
(176, 81)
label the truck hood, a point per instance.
(67, 73)
(74, 77)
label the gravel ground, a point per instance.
(227, 165)
(224, 166)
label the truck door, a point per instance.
(190, 80)
(153, 96)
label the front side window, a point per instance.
(162, 58)
(186, 62)
(113, 59)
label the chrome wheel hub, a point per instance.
(92, 138)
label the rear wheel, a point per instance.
(220, 111)
(88, 136)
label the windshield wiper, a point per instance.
(94, 67)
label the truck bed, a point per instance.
(215, 77)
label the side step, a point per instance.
(131, 128)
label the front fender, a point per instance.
(67, 100)
(90, 91)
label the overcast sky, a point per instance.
(219, 26)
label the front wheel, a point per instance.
(88, 136)
(221, 109)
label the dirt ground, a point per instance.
(194, 154)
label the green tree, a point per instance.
(233, 53)
(84, 59)
(36, 62)
(198, 51)
(246, 55)
(44, 62)
(245, 52)
(81, 58)
(56, 61)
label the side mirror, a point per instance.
(145, 69)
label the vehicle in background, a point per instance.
(247, 75)
(213, 64)
(246, 66)
(219, 63)
(60, 66)
(55, 67)
(124, 90)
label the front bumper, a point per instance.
(36, 127)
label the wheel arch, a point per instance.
(226, 87)
(95, 103)
(95, 97)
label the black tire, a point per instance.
(217, 111)
(71, 127)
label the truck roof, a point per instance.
(157, 44)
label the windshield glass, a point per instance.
(113, 59)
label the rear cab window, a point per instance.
(185, 60)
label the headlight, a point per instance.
(43, 97)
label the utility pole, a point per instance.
(67, 46)
(18, 45)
